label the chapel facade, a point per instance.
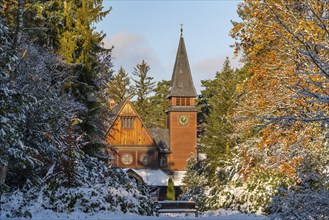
(139, 147)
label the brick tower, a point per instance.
(181, 113)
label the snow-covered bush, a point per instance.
(242, 183)
(300, 203)
(238, 184)
(279, 180)
(247, 194)
(196, 184)
(34, 115)
(101, 189)
(309, 198)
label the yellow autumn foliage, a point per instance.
(279, 39)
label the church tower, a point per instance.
(181, 113)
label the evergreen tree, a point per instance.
(40, 95)
(144, 85)
(206, 179)
(170, 190)
(78, 39)
(80, 45)
(220, 98)
(195, 183)
(202, 102)
(66, 169)
(119, 88)
(38, 85)
(159, 103)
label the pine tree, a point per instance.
(206, 179)
(80, 45)
(170, 190)
(195, 183)
(144, 85)
(220, 99)
(66, 169)
(36, 106)
(159, 103)
(119, 88)
(78, 39)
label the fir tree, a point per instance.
(119, 88)
(80, 45)
(203, 104)
(220, 98)
(144, 85)
(170, 190)
(78, 39)
(195, 183)
(67, 173)
(159, 104)
(37, 88)
(206, 179)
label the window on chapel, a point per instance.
(127, 122)
(183, 101)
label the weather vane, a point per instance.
(181, 29)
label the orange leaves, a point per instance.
(286, 47)
(287, 169)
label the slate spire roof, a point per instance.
(181, 81)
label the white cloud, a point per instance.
(129, 50)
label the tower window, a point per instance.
(188, 101)
(178, 101)
(183, 101)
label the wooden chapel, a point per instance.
(139, 147)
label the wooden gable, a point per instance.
(128, 128)
(133, 142)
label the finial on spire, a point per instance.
(181, 30)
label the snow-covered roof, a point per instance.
(178, 177)
(156, 177)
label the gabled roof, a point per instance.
(151, 177)
(161, 138)
(181, 81)
(118, 107)
(116, 112)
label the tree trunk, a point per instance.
(20, 22)
(3, 174)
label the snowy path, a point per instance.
(212, 215)
(228, 217)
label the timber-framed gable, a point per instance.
(130, 137)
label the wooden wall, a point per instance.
(134, 141)
(138, 156)
(137, 135)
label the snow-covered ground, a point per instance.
(220, 214)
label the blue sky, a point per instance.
(150, 30)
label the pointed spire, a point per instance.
(181, 30)
(181, 81)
